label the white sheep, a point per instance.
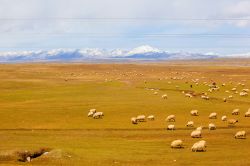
(199, 146)
(151, 117)
(224, 118)
(194, 112)
(141, 118)
(240, 135)
(196, 134)
(165, 96)
(177, 144)
(91, 112)
(213, 115)
(236, 112)
(171, 127)
(170, 118)
(247, 114)
(199, 128)
(243, 94)
(190, 124)
(155, 93)
(211, 126)
(98, 115)
(188, 95)
(245, 90)
(205, 97)
(233, 89)
(134, 120)
(232, 121)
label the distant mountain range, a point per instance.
(140, 53)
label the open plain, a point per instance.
(45, 105)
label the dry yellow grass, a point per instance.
(46, 105)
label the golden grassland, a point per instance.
(46, 105)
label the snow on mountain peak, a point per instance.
(93, 52)
(142, 52)
(144, 49)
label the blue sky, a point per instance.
(48, 24)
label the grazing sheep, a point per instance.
(230, 97)
(224, 118)
(243, 94)
(247, 114)
(141, 118)
(240, 135)
(151, 117)
(190, 124)
(236, 112)
(232, 121)
(155, 93)
(233, 89)
(245, 90)
(194, 112)
(211, 126)
(170, 118)
(224, 99)
(177, 144)
(91, 112)
(196, 134)
(165, 96)
(171, 127)
(134, 120)
(199, 146)
(199, 128)
(188, 95)
(241, 84)
(205, 97)
(213, 115)
(98, 115)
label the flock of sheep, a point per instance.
(142, 118)
(199, 146)
(197, 133)
(94, 114)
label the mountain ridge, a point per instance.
(144, 52)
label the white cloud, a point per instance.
(25, 33)
(239, 9)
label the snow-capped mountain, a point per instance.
(145, 49)
(144, 52)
